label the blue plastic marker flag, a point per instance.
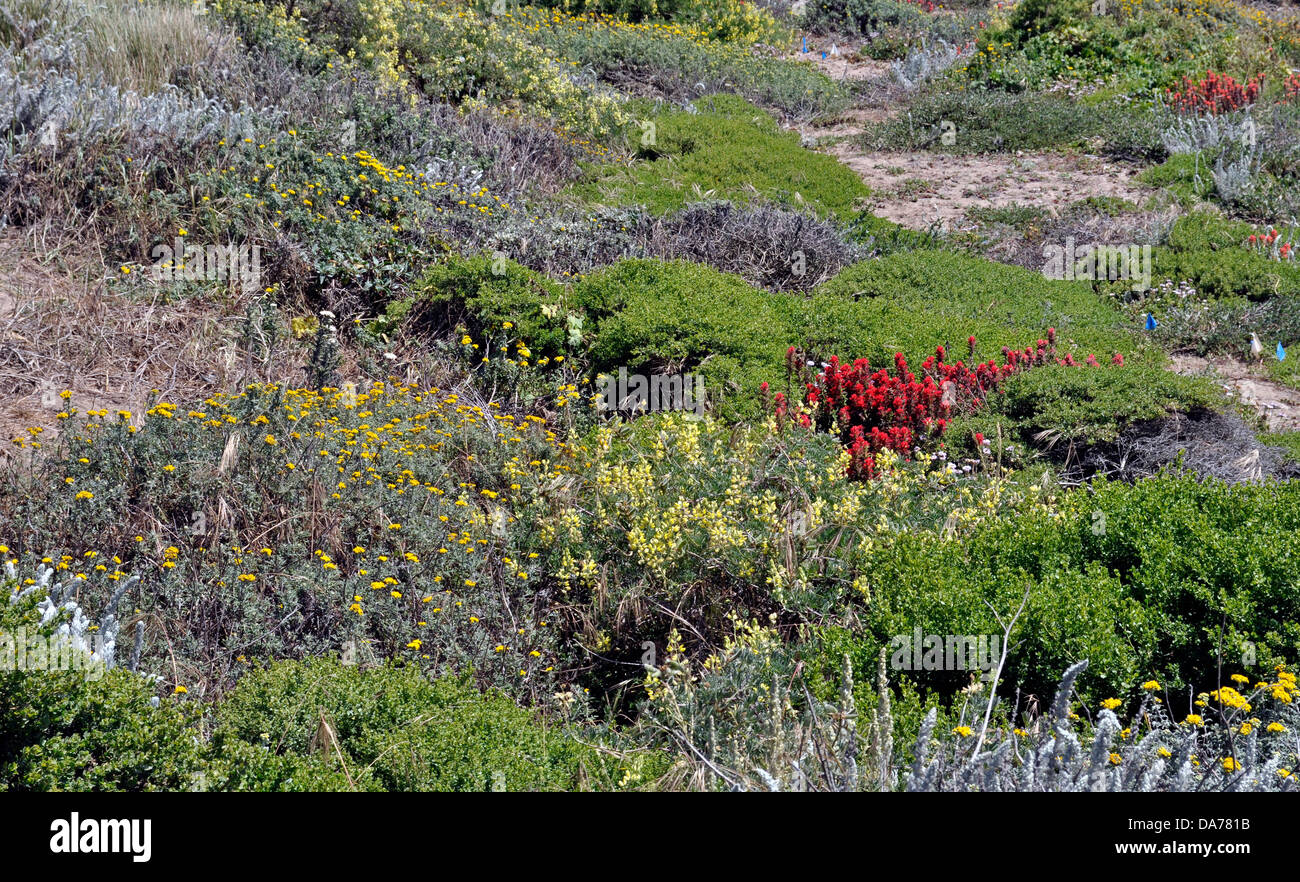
(1151, 322)
(823, 53)
(1281, 353)
(805, 44)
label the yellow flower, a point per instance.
(964, 731)
(1111, 703)
(1151, 686)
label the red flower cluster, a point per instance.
(926, 5)
(1268, 245)
(1216, 93)
(876, 409)
(1291, 87)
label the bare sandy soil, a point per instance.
(919, 189)
(1278, 404)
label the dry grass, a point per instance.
(130, 44)
(62, 327)
(141, 46)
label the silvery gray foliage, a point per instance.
(1168, 757)
(1192, 134)
(925, 62)
(84, 112)
(75, 626)
(1235, 177)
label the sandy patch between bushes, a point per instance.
(1279, 405)
(943, 187)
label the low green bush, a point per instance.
(482, 293)
(78, 730)
(1211, 252)
(1227, 272)
(664, 317)
(999, 122)
(1159, 579)
(911, 302)
(727, 149)
(1059, 405)
(386, 728)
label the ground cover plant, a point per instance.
(693, 395)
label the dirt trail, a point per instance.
(918, 188)
(1279, 405)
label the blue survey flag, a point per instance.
(1281, 353)
(1151, 322)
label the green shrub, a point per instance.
(395, 730)
(1211, 252)
(999, 122)
(75, 730)
(1227, 273)
(483, 293)
(1208, 231)
(1058, 405)
(1185, 175)
(413, 561)
(731, 150)
(911, 302)
(1032, 17)
(664, 317)
(1158, 579)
